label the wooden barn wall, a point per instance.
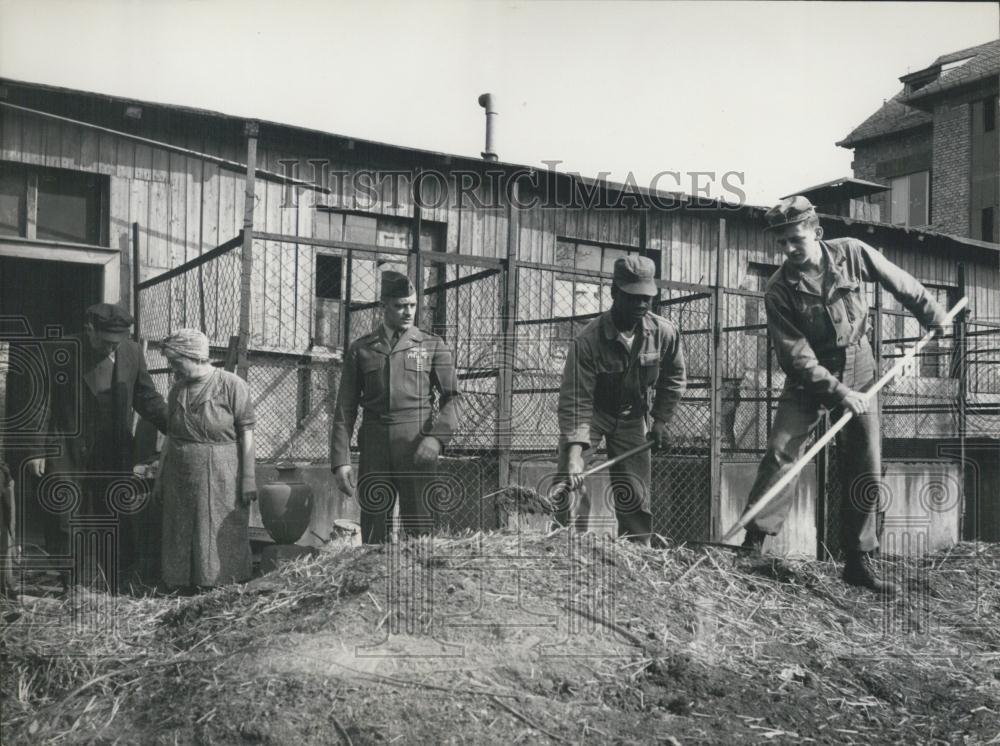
(186, 206)
(931, 264)
(746, 242)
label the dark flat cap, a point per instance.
(634, 275)
(396, 285)
(110, 321)
(789, 211)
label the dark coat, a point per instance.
(71, 421)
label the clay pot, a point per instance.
(286, 505)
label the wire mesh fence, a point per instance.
(203, 293)
(555, 305)
(307, 302)
(982, 376)
(750, 379)
(921, 401)
(681, 486)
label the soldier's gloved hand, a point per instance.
(574, 468)
(36, 467)
(658, 434)
(344, 476)
(428, 451)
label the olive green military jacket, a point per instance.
(395, 387)
(807, 327)
(601, 374)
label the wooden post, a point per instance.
(960, 341)
(877, 331)
(715, 394)
(822, 491)
(508, 330)
(345, 304)
(768, 382)
(415, 263)
(136, 305)
(252, 130)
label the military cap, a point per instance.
(634, 275)
(110, 321)
(789, 211)
(396, 285)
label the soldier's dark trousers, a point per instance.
(628, 492)
(387, 473)
(859, 452)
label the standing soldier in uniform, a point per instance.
(817, 318)
(391, 374)
(626, 366)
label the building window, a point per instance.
(329, 275)
(52, 204)
(13, 200)
(910, 198)
(756, 277)
(579, 295)
(986, 224)
(989, 114)
(375, 231)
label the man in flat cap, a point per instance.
(392, 374)
(92, 418)
(817, 318)
(623, 377)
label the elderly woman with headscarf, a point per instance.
(207, 476)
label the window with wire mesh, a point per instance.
(750, 377)
(461, 303)
(920, 401)
(333, 267)
(934, 361)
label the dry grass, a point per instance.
(521, 636)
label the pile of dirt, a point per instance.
(521, 637)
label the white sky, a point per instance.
(765, 88)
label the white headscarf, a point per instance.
(189, 343)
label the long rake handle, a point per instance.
(793, 472)
(607, 464)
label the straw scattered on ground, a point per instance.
(520, 638)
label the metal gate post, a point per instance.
(136, 306)
(822, 492)
(508, 328)
(715, 395)
(415, 262)
(252, 129)
(714, 418)
(966, 529)
(345, 305)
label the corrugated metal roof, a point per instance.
(846, 188)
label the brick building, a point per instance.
(934, 144)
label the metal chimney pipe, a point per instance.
(487, 101)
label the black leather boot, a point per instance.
(859, 571)
(754, 540)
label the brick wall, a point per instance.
(870, 159)
(950, 174)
